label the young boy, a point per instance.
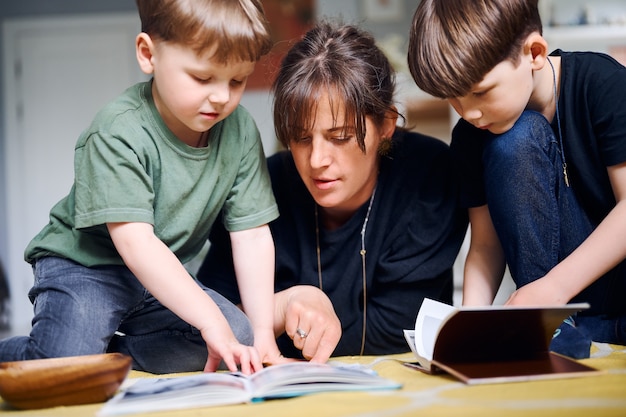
(152, 172)
(541, 152)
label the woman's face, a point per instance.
(337, 173)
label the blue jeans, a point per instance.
(539, 222)
(82, 311)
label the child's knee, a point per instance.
(242, 329)
(531, 133)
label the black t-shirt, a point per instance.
(413, 235)
(592, 109)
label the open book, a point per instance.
(491, 344)
(222, 388)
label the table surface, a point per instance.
(429, 395)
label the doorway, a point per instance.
(59, 72)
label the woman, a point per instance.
(368, 212)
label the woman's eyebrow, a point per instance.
(341, 129)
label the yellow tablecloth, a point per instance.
(425, 395)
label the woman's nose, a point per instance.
(320, 155)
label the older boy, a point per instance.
(152, 172)
(541, 152)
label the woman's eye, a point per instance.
(341, 139)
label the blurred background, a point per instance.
(61, 60)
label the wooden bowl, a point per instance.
(43, 383)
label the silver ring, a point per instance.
(301, 333)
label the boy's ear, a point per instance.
(144, 48)
(537, 49)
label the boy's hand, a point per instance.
(265, 342)
(233, 353)
(541, 292)
(162, 274)
(308, 317)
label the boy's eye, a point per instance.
(201, 79)
(483, 91)
(302, 139)
(341, 138)
(236, 83)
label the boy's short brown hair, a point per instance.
(453, 44)
(237, 28)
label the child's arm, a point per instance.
(162, 274)
(485, 264)
(253, 258)
(601, 251)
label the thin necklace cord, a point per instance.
(558, 124)
(362, 252)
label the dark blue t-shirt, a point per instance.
(592, 108)
(413, 235)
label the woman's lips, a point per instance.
(323, 184)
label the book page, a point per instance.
(299, 378)
(429, 319)
(221, 388)
(409, 336)
(173, 393)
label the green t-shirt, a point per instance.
(129, 167)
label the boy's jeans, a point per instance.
(78, 310)
(539, 222)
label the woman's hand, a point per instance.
(306, 314)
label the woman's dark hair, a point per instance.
(341, 61)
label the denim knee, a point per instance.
(160, 342)
(521, 186)
(76, 310)
(239, 322)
